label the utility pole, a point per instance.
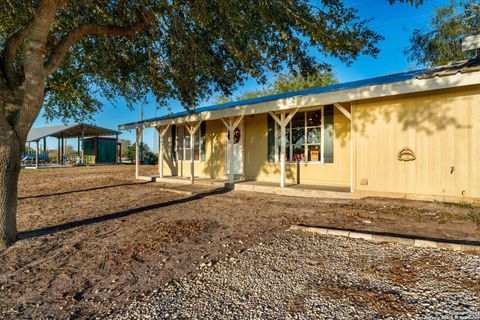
(141, 136)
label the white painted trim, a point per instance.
(345, 112)
(231, 125)
(161, 138)
(351, 147)
(322, 143)
(365, 92)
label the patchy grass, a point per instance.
(475, 218)
(409, 210)
(464, 205)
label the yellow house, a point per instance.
(413, 134)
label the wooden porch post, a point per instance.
(231, 125)
(44, 149)
(282, 149)
(83, 146)
(36, 154)
(63, 149)
(348, 115)
(137, 152)
(192, 129)
(161, 136)
(58, 150)
(231, 143)
(116, 148)
(282, 122)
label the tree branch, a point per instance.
(55, 59)
(7, 61)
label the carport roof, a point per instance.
(70, 131)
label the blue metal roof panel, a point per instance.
(397, 77)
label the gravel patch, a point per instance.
(299, 276)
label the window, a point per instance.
(184, 150)
(303, 137)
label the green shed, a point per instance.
(100, 150)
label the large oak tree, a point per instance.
(62, 55)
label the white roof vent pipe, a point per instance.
(472, 43)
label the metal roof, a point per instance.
(70, 131)
(450, 69)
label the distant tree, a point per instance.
(125, 143)
(53, 155)
(148, 156)
(441, 42)
(287, 83)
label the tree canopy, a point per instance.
(440, 43)
(287, 83)
(181, 50)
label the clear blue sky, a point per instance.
(395, 23)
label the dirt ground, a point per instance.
(93, 238)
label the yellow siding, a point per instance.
(256, 162)
(258, 167)
(442, 129)
(214, 164)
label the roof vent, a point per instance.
(472, 43)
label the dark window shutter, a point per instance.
(328, 135)
(174, 140)
(271, 138)
(203, 144)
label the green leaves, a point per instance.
(288, 83)
(441, 42)
(189, 50)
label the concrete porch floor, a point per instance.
(295, 190)
(183, 185)
(197, 181)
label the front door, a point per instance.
(237, 151)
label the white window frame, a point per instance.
(177, 146)
(290, 145)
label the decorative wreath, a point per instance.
(236, 136)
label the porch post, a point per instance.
(58, 150)
(349, 116)
(192, 129)
(116, 148)
(282, 122)
(231, 131)
(36, 154)
(137, 152)
(44, 150)
(282, 149)
(63, 149)
(192, 160)
(161, 136)
(160, 154)
(83, 146)
(351, 149)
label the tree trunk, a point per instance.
(10, 152)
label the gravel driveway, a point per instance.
(302, 276)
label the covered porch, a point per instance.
(201, 152)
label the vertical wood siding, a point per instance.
(442, 129)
